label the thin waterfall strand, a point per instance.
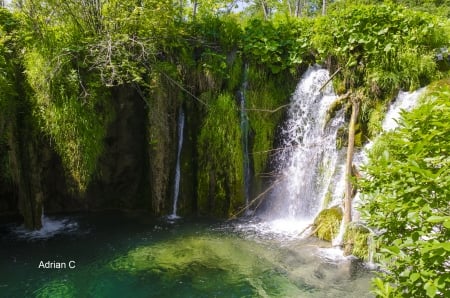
(176, 187)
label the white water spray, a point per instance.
(50, 228)
(405, 101)
(309, 165)
(176, 187)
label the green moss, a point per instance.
(266, 93)
(334, 108)
(220, 178)
(234, 80)
(327, 223)
(358, 139)
(56, 288)
(375, 119)
(327, 198)
(356, 241)
(73, 115)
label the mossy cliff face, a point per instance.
(220, 182)
(267, 97)
(116, 147)
(164, 102)
(25, 173)
(121, 170)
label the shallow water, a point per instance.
(130, 255)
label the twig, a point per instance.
(180, 86)
(276, 182)
(269, 111)
(313, 232)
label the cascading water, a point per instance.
(309, 165)
(245, 127)
(176, 186)
(405, 101)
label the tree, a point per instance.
(355, 102)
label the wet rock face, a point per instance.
(122, 167)
(162, 144)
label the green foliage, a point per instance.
(8, 59)
(221, 181)
(278, 46)
(406, 196)
(71, 110)
(381, 48)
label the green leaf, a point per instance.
(414, 276)
(436, 218)
(388, 47)
(431, 289)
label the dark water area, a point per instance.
(131, 255)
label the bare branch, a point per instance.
(331, 77)
(269, 111)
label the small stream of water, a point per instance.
(176, 183)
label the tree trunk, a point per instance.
(194, 12)
(288, 2)
(324, 7)
(265, 9)
(298, 8)
(348, 170)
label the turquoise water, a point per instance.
(129, 255)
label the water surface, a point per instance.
(131, 255)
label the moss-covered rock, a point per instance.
(356, 239)
(326, 225)
(220, 177)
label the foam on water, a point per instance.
(281, 229)
(50, 228)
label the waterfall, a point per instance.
(176, 186)
(245, 127)
(405, 101)
(309, 167)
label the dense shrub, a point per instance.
(406, 198)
